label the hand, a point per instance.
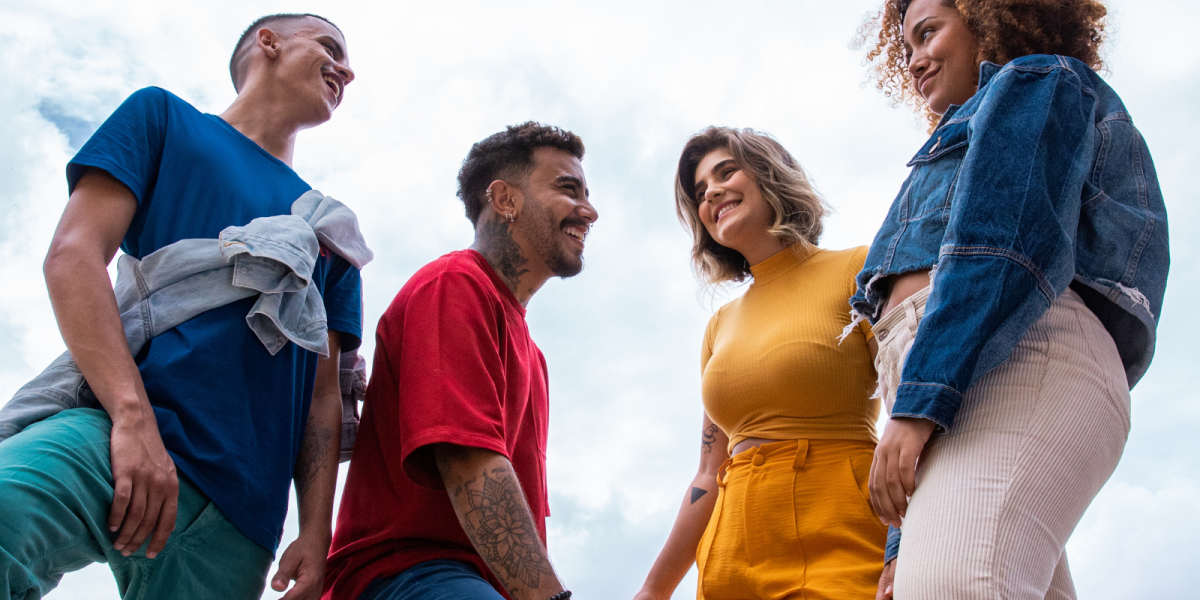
(885, 581)
(304, 563)
(145, 486)
(894, 470)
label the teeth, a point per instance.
(727, 208)
(337, 90)
(575, 233)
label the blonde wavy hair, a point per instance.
(1003, 30)
(798, 208)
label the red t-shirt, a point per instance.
(454, 363)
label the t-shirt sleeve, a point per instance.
(451, 375)
(344, 303)
(128, 145)
(710, 334)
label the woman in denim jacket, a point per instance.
(1014, 288)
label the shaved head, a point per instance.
(280, 23)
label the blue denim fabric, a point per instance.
(1039, 182)
(271, 257)
(433, 580)
(892, 547)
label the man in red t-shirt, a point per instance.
(446, 495)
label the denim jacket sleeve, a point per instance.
(1008, 249)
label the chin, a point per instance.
(566, 265)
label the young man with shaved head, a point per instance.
(446, 494)
(179, 479)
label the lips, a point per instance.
(924, 81)
(725, 207)
(334, 83)
(577, 229)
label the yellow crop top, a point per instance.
(771, 365)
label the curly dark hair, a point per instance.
(1003, 30)
(508, 155)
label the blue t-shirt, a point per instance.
(231, 415)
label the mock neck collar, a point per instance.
(781, 262)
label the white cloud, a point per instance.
(622, 339)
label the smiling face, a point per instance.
(314, 68)
(556, 215)
(731, 204)
(941, 54)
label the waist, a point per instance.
(794, 454)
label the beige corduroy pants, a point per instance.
(1036, 438)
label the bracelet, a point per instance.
(563, 595)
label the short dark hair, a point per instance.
(508, 155)
(243, 46)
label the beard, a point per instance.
(545, 240)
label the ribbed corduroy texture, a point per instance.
(1000, 493)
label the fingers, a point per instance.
(308, 585)
(166, 522)
(133, 517)
(895, 486)
(873, 484)
(122, 492)
(286, 572)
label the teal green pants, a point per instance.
(56, 490)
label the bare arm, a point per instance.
(492, 509)
(145, 486)
(315, 478)
(679, 552)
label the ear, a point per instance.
(505, 198)
(268, 43)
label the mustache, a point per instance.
(577, 222)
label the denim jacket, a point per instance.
(1039, 182)
(270, 257)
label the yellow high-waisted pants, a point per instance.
(793, 520)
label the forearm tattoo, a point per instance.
(501, 528)
(708, 438)
(313, 458)
(502, 251)
(698, 493)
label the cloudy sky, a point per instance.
(634, 79)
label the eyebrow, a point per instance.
(919, 24)
(561, 179)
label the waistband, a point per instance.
(913, 307)
(790, 455)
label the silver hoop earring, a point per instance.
(512, 217)
(489, 195)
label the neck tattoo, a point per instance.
(502, 251)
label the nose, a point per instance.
(712, 193)
(917, 64)
(344, 70)
(588, 212)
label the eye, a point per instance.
(727, 172)
(925, 33)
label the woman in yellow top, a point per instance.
(787, 386)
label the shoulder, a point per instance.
(458, 271)
(1049, 66)
(152, 98)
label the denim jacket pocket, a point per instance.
(935, 173)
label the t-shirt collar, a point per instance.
(782, 262)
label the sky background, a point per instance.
(622, 339)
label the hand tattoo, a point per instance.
(500, 526)
(502, 251)
(708, 438)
